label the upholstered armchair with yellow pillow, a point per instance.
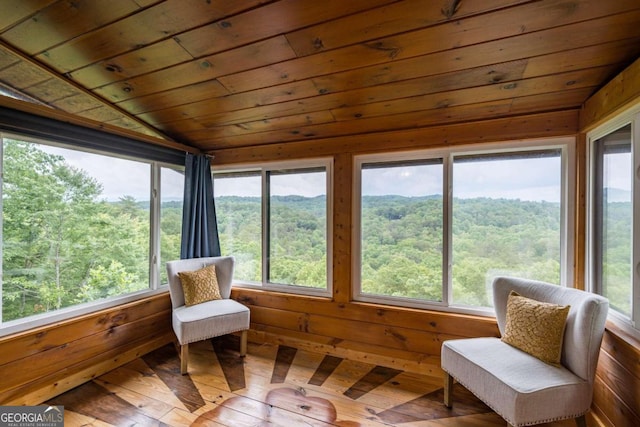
(543, 367)
(200, 289)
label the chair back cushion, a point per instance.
(584, 326)
(224, 274)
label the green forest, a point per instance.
(63, 245)
(402, 243)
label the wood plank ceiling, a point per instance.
(217, 74)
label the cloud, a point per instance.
(120, 177)
(309, 184)
(524, 179)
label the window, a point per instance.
(274, 220)
(401, 236)
(77, 229)
(614, 214)
(434, 228)
(238, 198)
(506, 220)
(171, 199)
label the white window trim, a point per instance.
(155, 288)
(263, 168)
(630, 116)
(565, 144)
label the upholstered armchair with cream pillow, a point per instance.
(543, 367)
(200, 289)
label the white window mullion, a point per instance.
(567, 213)
(154, 241)
(447, 237)
(266, 228)
(635, 227)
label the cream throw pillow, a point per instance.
(535, 327)
(200, 286)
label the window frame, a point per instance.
(154, 285)
(264, 168)
(566, 145)
(631, 117)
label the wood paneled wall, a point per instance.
(44, 362)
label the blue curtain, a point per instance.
(199, 227)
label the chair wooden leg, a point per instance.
(243, 343)
(184, 358)
(581, 421)
(448, 390)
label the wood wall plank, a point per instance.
(44, 388)
(342, 215)
(20, 371)
(425, 320)
(613, 411)
(402, 338)
(580, 223)
(620, 93)
(38, 340)
(621, 383)
(35, 362)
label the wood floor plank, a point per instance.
(284, 359)
(149, 405)
(231, 362)
(324, 371)
(111, 408)
(402, 388)
(430, 407)
(75, 419)
(181, 418)
(284, 386)
(345, 375)
(138, 377)
(166, 364)
(376, 377)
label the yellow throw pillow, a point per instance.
(200, 285)
(535, 327)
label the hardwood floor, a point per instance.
(273, 386)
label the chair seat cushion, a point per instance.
(519, 387)
(209, 319)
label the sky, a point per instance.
(526, 179)
(531, 179)
(121, 177)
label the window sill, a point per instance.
(21, 325)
